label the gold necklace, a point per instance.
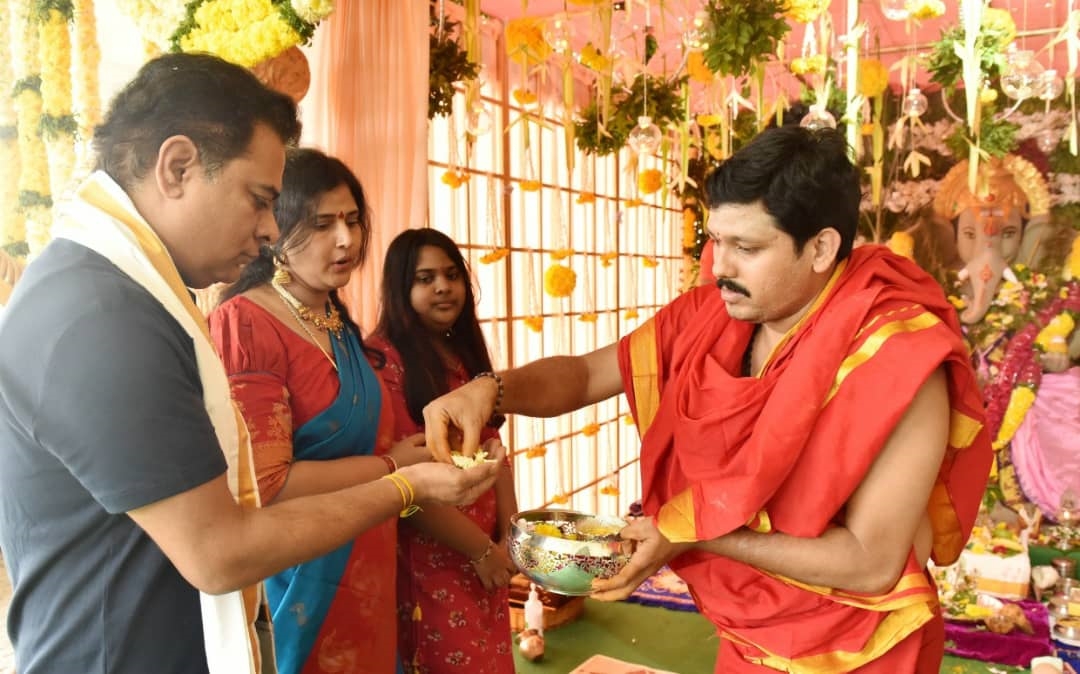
(331, 322)
(287, 299)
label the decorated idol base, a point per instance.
(562, 551)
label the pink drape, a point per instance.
(368, 106)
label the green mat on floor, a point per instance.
(677, 641)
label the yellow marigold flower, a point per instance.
(805, 11)
(817, 63)
(609, 490)
(607, 258)
(867, 129)
(633, 203)
(534, 323)
(530, 185)
(535, 452)
(873, 77)
(561, 253)
(547, 529)
(1071, 269)
(1051, 339)
(585, 198)
(1020, 401)
(921, 10)
(589, 430)
(650, 262)
(799, 65)
(559, 280)
(628, 419)
(988, 95)
(999, 21)
(696, 68)
(689, 228)
(649, 181)
(705, 121)
(593, 59)
(957, 302)
(902, 243)
(453, 179)
(560, 499)
(524, 97)
(525, 40)
(588, 317)
(630, 314)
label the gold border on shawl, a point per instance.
(910, 588)
(818, 301)
(896, 627)
(247, 493)
(963, 429)
(677, 519)
(645, 373)
(874, 343)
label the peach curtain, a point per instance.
(368, 106)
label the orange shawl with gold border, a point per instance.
(784, 451)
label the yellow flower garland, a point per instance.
(58, 122)
(873, 78)
(12, 223)
(87, 58)
(1020, 401)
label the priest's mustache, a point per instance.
(723, 283)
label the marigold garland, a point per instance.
(560, 498)
(86, 59)
(588, 317)
(57, 123)
(534, 323)
(559, 281)
(607, 258)
(536, 452)
(630, 314)
(12, 222)
(609, 490)
(590, 430)
(494, 255)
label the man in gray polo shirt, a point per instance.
(115, 503)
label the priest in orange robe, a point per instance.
(812, 432)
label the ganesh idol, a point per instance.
(1019, 303)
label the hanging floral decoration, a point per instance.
(448, 64)
(559, 281)
(997, 31)
(649, 262)
(606, 259)
(536, 452)
(588, 317)
(740, 34)
(560, 498)
(630, 314)
(805, 11)
(609, 489)
(663, 106)
(534, 323)
(12, 222)
(924, 10)
(590, 430)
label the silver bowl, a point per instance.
(562, 551)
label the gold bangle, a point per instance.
(391, 464)
(408, 506)
(487, 553)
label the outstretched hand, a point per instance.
(652, 550)
(453, 421)
(446, 484)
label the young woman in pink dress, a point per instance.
(453, 564)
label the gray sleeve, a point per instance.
(120, 405)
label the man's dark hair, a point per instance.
(215, 103)
(426, 374)
(804, 178)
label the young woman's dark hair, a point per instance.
(308, 175)
(426, 375)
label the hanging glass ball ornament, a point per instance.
(645, 137)
(478, 121)
(694, 37)
(557, 33)
(915, 103)
(818, 118)
(1049, 86)
(895, 10)
(1021, 75)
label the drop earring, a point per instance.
(281, 274)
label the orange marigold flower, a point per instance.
(585, 198)
(628, 419)
(588, 317)
(609, 490)
(534, 323)
(650, 181)
(561, 253)
(630, 313)
(531, 185)
(535, 452)
(494, 255)
(650, 262)
(633, 203)
(524, 97)
(607, 258)
(560, 498)
(589, 430)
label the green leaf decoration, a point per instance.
(740, 33)
(664, 106)
(449, 63)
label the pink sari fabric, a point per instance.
(1044, 449)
